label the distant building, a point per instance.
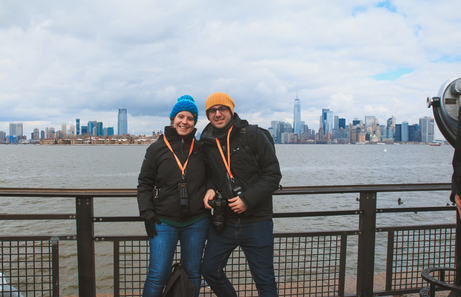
(341, 123)
(16, 129)
(92, 128)
(426, 127)
(327, 121)
(369, 121)
(297, 117)
(72, 131)
(405, 131)
(50, 133)
(398, 133)
(77, 126)
(122, 122)
(357, 123)
(109, 131)
(63, 130)
(413, 133)
(100, 130)
(2, 136)
(36, 134)
(84, 130)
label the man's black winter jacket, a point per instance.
(257, 184)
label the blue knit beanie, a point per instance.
(185, 103)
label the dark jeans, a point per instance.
(256, 241)
(162, 248)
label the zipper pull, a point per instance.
(156, 192)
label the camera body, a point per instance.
(217, 216)
(219, 205)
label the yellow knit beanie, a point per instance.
(219, 98)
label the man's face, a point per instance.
(219, 116)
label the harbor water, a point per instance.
(112, 166)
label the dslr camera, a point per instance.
(219, 205)
(217, 215)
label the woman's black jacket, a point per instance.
(160, 169)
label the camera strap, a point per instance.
(226, 163)
(182, 167)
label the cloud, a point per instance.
(60, 61)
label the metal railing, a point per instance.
(306, 263)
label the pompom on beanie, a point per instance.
(219, 98)
(185, 103)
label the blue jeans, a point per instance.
(162, 248)
(256, 241)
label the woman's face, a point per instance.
(183, 122)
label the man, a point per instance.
(247, 182)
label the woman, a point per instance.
(171, 188)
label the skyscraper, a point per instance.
(398, 133)
(77, 126)
(122, 122)
(100, 129)
(16, 129)
(64, 129)
(405, 131)
(327, 121)
(426, 128)
(297, 117)
(342, 123)
(369, 121)
(336, 122)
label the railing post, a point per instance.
(85, 247)
(458, 249)
(366, 248)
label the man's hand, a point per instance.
(209, 195)
(458, 204)
(237, 204)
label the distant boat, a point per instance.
(382, 143)
(435, 144)
(385, 150)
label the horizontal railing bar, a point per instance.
(396, 292)
(60, 192)
(289, 234)
(414, 227)
(64, 193)
(363, 188)
(316, 213)
(117, 219)
(37, 216)
(416, 209)
(37, 237)
(276, 215)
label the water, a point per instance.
(301, 165)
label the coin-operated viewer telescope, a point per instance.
(446, 108)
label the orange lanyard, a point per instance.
(177, 160)
(226, 163)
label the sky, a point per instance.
(63, 60)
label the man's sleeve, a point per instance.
(270, 173)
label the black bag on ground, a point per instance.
(178, 284)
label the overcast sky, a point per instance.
(62, 60)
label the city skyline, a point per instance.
(62, 60)
(328, 121)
